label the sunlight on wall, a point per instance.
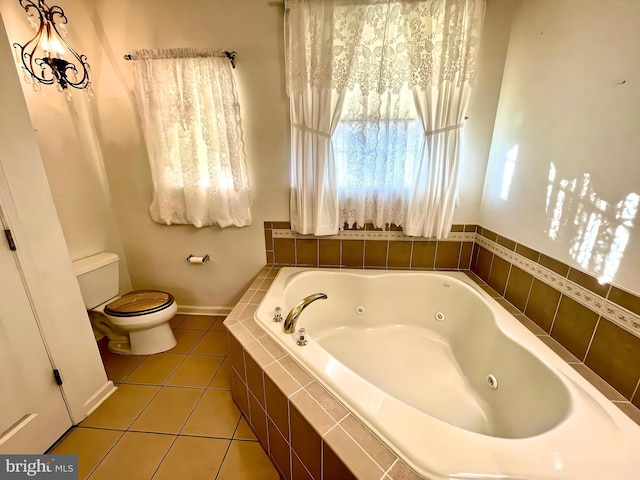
(597, 230)
(507, 174)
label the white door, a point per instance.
(33, 414)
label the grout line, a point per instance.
(164, 456)
(364, 450)
(388, 472)
(224, 457)
(635, 391)
(95, 467)
(593, 335)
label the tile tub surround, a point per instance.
(598, 324)
(308, 433)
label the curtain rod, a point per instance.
(190, 53)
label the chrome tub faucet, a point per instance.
(290, 323)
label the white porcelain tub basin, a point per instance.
(451, 382)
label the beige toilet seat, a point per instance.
(139, 302)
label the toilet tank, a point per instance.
(98, 278)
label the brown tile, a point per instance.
(282, 379)
(246, 461)
(470, 228)
(198, 322)
(307, 251)
(353, 253)
(489, 234)
(625, 299)
(215, 416)
(268, 225)
(135, 456)
(508, 306)
(492, 293)
(186, 340)
(306, 442)
(530, 324)
(296, 371)
(399, 254)
(236, 354)
(377, 450)
(168, 411)
(212, 343)
(465, 256)
(268, 239)
(193, 458)
(604, 388)
(277, 406)
(574, 326)
(327, 401)
(218, 324)
(255, 381)
(558, 349)
(196, 371)
(244, 432)
(542, 304)
(239, 393)
(279, 450)
(507, 243)
(333, 467)
(177, 320)
(284, 250)
(448, 254)
(270, 258)
(119, 366)
(349, 452)
(392, 227)
(369, 226)
(483, 264)
(423, 254)
(306, 406)
(281, 225)
(155, 369)
(375, 253)
(615, 356)
(122, 407)
(329, 252)
(272, 347)
(518, 287)
(258, 421)
(298, 470)
(527, 252)
(499, 274)
(90, 444)
(589, 282)
(222, 378)
(457, 228)
(554, 265)
(636, 397)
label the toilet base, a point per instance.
(152, 340)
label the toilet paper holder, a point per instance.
(196, 259)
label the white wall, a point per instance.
(570, 98)
(106, 134)
(42, 252)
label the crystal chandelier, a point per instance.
(47, 57)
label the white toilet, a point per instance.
(136, 323)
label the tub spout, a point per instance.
(290, 323)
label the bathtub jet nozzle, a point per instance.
(290, 323)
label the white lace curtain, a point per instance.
(191, 120)
(378, 93)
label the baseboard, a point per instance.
(99, 397)
(196, 310)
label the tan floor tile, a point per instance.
(155, 369)
(193, 458)
(218, 325)
(247, 461)
(244, 432)
(215, 416)
(119, 366)
(198, 322)
(222, 380)
(135, 457)
(121, 408)
(195, 371)
(212, 343)
(186, 340)
(177, 320)
(168, 411)
(90, 444)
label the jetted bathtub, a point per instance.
(448, 379)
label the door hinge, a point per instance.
(12, 244)
(58, 377)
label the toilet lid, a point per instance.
(139, 302)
